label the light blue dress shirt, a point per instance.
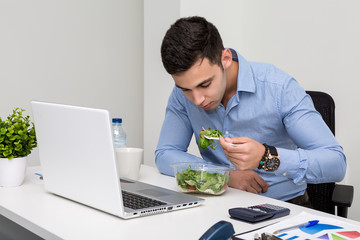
(269, 107)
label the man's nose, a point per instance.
(198, 98)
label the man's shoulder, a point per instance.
(266, 72)
(177, 99)
(176, 93)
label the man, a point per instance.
(281, 141)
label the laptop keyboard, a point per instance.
(134, 201)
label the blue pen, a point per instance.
(40, 175)
(307, 224)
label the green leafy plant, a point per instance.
(17, 135)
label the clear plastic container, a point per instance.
(205, 178)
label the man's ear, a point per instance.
(226, 58)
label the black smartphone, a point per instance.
(258, 213)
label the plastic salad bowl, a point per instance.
(205, 178)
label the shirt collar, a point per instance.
(245, 79)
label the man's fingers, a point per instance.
(258, 183)
(248, 181)
(263, 186)
(252, 190)
(255, 188)
(259, 187)
(234, 142)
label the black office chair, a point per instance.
(326, 196)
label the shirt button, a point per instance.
(284, 174)
(227, 133)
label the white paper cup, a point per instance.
(129, 161)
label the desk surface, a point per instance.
(53, 217)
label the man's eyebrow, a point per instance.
(205, 81)
(199, 85)
(181, 87)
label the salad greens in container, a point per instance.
(205, 178)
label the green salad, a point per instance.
(204, 142)
(201, 181)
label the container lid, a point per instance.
(117, 120)
(202, 166)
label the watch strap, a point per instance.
(273, 151)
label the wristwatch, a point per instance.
(272, 160)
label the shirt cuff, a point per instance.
(293, 164)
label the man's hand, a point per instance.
(246, 154)
(248, 181)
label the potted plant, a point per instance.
(17, 140)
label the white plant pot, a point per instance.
(12, 172)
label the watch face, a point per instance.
(271, 164)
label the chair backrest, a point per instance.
(320, 194)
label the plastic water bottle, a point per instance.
(119, 133)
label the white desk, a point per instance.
(53, 217)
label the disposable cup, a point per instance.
(129, 162)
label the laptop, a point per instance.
(78, 162)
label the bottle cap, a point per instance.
(117, 120)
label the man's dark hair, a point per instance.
(188, 40)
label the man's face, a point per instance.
(203, 84)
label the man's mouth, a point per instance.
(207, 106)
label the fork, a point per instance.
(216, 138)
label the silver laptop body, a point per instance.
(78, 162)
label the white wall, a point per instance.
(314, 41)
(158, 14)
(80, 52)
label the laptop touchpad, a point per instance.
(153, 192)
